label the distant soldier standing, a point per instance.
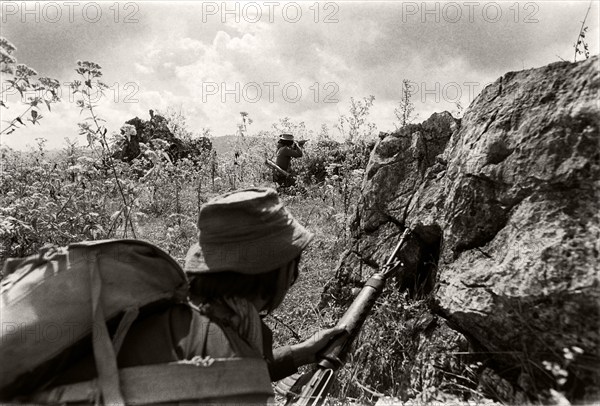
(287, 149)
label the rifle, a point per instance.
(313, 386)
(274, 166)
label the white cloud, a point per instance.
(172, 55)
(145, 70)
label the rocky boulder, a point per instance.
(506, 227)
(157, 129)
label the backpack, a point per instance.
(51, 301)
(54, 299)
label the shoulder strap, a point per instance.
(228, 379)
(104, 352)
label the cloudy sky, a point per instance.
(272, 59)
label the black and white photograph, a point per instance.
(292, 203)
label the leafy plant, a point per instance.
(289, 126)
(581, 46)
(355, 127)
(44, 89)
(96, 133)
(405, 109)
(246, 121)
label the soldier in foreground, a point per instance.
(246, 259)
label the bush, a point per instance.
(329, 158)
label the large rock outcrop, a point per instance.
(506, 227)
(157, 128)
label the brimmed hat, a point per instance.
(286, 137)
(247, 231)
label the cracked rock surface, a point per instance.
(510, 196)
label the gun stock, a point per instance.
(274, 166)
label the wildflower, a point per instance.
(128, 131)
(50, 83)
(7, 46)
(24, 71)
(6, 58)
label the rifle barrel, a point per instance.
(392, 257)
(332, 357)
(352, 321)
(355, 316)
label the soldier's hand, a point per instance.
(306, 351)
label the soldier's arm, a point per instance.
(294, 151)
(282, 364)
